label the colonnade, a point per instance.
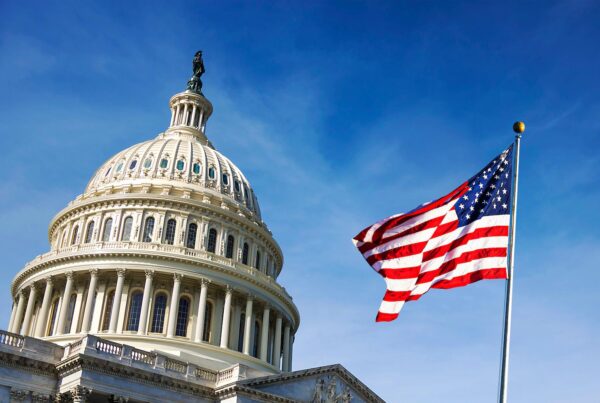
(231, 318)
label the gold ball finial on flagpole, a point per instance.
(519, 127)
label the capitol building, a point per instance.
(161, 285)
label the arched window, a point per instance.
(53, 313)
(74, 236)
(212, 240)
(70, 312)
(257, 260)
(158, 313)
(207, 320)
(107, 229)
(240, 344)
(126, 235)
(229, 248)
(191, 236)
(148, 228)
(65, 238)
(170, 232)
(256, 340)
(135, 308)
(245, 253)
(89, 232)
(108, 310)
(182, 317)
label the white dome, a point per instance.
(176, 158)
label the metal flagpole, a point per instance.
(519, 128)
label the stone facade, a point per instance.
(161, 286)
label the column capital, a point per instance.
(204, 282)
(149, 273)
(250, 297)
(94, 272)
(228, 289)
(21, 293)
(177, 277)
(33, 287)
(69, 275)
(49, 280)
(121, 272)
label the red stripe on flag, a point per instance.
(385, 317)
(466, 257)
(379, 232)
(434, 222)
(394, 296)
(486, 274)
(476, 234)
(400, 273)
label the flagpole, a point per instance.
(519, 128)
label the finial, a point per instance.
(519, 127)
(195, 84)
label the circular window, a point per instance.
(133, 164)
(212, 173)
(148, 163)
(225, 179)
(197, 168)
(180, 165)
(164, 163)
(120, 167)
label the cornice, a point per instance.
(13, 360)
(138, 375)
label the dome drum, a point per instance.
(147, 308)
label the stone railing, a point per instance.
(159, 248)
(11, 339)
(156, 362)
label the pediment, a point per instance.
(330, 384)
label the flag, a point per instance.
(453, 241)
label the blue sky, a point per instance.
(341, 114)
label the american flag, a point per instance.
(453, 241)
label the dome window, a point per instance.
(164, 163)
(212, 174)
(237, 186)
(225, 179)
(120, 167)
(133, 164)
(148, 163)
(107, 171)
(180, 165)
(197, 168)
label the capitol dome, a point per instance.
(165, 251)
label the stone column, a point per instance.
(12, 316)
(248, 325)
(291, 354)
(40, 327)
(173, 308)
(201, 311)
(60, 328)
(80, 394)
(142, 329)
(277, 346)
(286, 348)
(114, 314)
(89, 302)
(226, 319)
(16, 326)
(264, 334)
(29, 311)
(194, 111)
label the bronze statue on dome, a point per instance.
(195, 84)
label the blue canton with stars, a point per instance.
(489, 191)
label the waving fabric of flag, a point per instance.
(453, 241)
